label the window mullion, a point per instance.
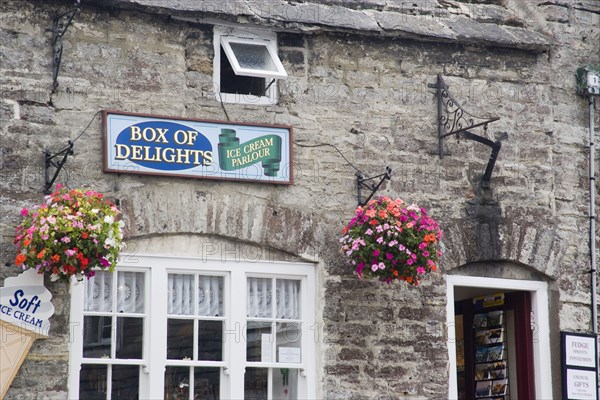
(156, 335)
(235, 333)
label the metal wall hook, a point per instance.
(65, 153)
(60, 24)
(362, 182)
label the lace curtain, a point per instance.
(259, 300)
(181, 295)
(99, 292)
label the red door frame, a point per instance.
(520, 303)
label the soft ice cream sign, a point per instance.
(25, 310)
(26, 303)
(145, 144)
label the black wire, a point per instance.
(223, 105)
(88, 125)
(331, 145)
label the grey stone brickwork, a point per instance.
(358, 79)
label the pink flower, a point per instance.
(374, 267)
(70, 252)
(24, 212)
(65, 239)
(420, 270)
(376, 253)
(425, 254)
(410, 261)
(369, 232)
(389, 256)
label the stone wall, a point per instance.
(367, 95)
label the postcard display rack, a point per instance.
(491, 356)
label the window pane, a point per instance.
(285, 384)
(130, 292)
(180, 339)
(287, 297)
(256, 383)
(210, 340)
(92, 382)
(177, 383)
(96, 336)
(125, 382)
(181, 294)
(207, 383)
(253, 56)
(259, 342)
(289, 337)
(98, 292)
(130, 337)
(210, 296)
(259, 298)
(243, 85)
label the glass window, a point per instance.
(113, 335)
(246, 66)
(273, 338)
(173, 331)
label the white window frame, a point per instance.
(541, 336)
(224, 36)
(234, 362)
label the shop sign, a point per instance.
(25, 310)
(579, 366)
(25, 303)
(153, 145)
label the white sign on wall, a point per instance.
(580, 351)
(579, 366)
(581, 384)
(25, 310)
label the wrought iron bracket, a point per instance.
(65, 153)
(60, 25)
(452, 117)
(362, 182)
(496, 146)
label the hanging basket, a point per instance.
(391, 242)
(71, 233)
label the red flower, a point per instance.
(20, 259)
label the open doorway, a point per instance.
(498, 339)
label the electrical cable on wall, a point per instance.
(65, 153)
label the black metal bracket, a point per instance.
(65, 153)
(453, 119)
(60, 24)
(361, 182)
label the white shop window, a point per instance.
(246, 66)
(185, 328)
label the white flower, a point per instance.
(54, 277)
(109, 219)
(95, 211)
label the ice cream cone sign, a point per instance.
(25, 308)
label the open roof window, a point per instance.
(246, 66)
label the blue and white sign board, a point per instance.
(155, 145)
(25, 303)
